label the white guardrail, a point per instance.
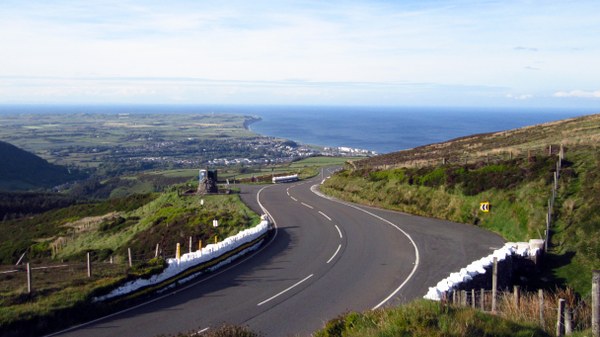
(186, 261)
(524, 249)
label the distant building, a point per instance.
(207, 181)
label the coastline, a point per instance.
(251, 120)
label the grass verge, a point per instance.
(427, 319)
(518, 191)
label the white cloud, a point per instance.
(519, 97)
(521, 48)
(459, 44)
(578, 94)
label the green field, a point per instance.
(104, 141)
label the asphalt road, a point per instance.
(326, 258)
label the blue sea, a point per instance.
(381, 129)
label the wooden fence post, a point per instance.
(561, 153)
(178, 251)
(547, 241)
(156, 250)
(482, 299)
(494, 284)
(190, 249)
(568, 325)
(473, 298)
(463, 298)
(596, 303)
(28, 278)
(89, 265)
(541, 304)
(560, 317)
(454, 297)
(129, 255)
(516, 296)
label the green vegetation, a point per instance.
(22, 170)
(576, 234)
(516, 177)
(20, 204)
(225, 330)
(517, 190)
(37, 234)
(427, 319)
(106, 229)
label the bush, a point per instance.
(148, 268)
(225, 330)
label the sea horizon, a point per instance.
(382, 129)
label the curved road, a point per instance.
(326, 258)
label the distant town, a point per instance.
(112, 144)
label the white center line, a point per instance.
(334, 254)
(339, 231)
(286, 290)
(293, 198)
(325, 215)
(201, 331)
(307, 205)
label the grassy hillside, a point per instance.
(22, 170)
(106, 229)
(497, 145)
(513, 170)
(425, 319)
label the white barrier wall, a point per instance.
(525, 249)
(188, 260)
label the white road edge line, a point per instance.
(339, 231)
(285, 290)
(325, 215)
(334, 254)
(216, 273)
(416, 264)
(293, 198)
(307, 205)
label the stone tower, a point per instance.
(207, 181)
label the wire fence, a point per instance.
(44, 279)
(558, 313)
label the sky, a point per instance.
(389, 53)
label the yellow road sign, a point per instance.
(484, 206)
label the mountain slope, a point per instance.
(22, 170)
(496, 145)
(512, 170)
